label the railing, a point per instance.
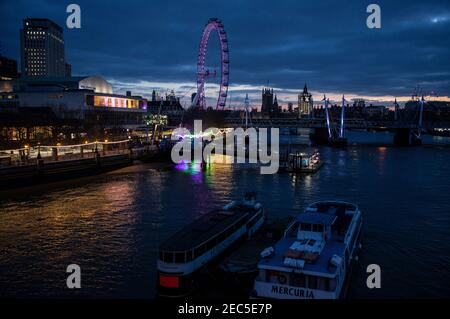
(30, 155)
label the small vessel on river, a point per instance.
(300, 162)
(314, 258)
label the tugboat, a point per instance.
(186, 252)
(314, 258)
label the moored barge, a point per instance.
(186, 252)
(314, 258)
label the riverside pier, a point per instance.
(41, 164)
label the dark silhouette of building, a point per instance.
(269, 101)
(8, 73)
(275, 107)
(172, 97)
(42, 49)
(168, 105)
(290, 107)
(361, 103)
(8, 68)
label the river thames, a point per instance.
(111, 225)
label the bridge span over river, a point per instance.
(322, 123)
(406, 132)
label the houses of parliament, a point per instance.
(270, 102)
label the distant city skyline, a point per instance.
(283, 45)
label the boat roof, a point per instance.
(325, 205)
(316, 218)
(206, 227)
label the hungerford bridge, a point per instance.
(322, 123)
(331, 131)
(405, 132)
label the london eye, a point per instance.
(215, 25)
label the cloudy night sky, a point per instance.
(146, 45)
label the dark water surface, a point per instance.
(111, 225)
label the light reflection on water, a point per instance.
(111, 225)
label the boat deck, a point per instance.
(320, 266)
(205, 228)
(310, 169)
(337, 215)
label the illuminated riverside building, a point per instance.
(42, 49)
(75, 104)
(72, 98)
(79, 104)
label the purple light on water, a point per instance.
(182, 166)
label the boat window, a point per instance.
(331, 284)
(188, 255)
(179, 258)
(275, 276)
(322, 283)
(312, 282)
(305, 227)
(317, 228)
(168, 257)
(298, 280)
(262, 275)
